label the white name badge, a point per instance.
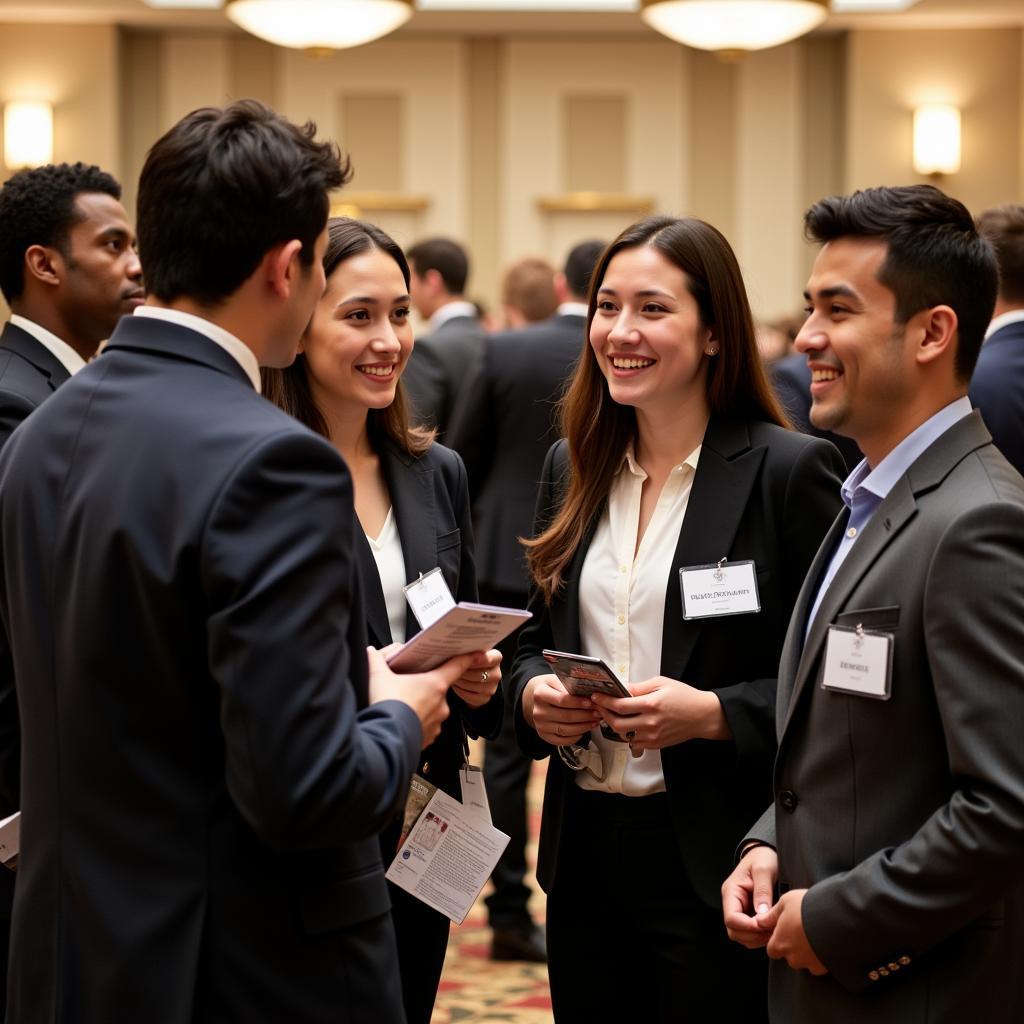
(429, 597)
(474, 792)
(858, 662)
(725, 588)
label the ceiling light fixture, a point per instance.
(319, 24)
(733, 26)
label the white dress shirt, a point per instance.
(387, 553)
(234, 346)
(1014, 316)
(60, 350)
(449, 311)
(622, 605)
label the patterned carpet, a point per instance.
(475, 989)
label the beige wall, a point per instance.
(979, 71)
(478, 126)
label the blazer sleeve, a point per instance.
(967, 854)
(536, 635)
(810, 502)
(486, 720)
(304, 765)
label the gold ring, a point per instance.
(483, 676)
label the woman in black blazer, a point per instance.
(412, 501)
(676, 456)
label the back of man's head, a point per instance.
(1003, 226)
(528, 291)
(935, 255)
(221, 189)
(448, 258)
(579, 267)
(37, 207)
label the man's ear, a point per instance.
(44, 264)
(435, 283)
(939, 333)
(282, 267)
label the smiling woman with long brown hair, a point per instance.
(412, 502)
(676, 457)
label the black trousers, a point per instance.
(628, 938)
(506, 775)
(422, 937)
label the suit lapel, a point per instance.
(794, 644)
(725, 475)
(411, 486)
(378, 627)
(889, 519)
(36, 353)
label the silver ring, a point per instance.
(484, 675)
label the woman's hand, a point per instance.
(558, 717)
(477, 684)
(663, 712)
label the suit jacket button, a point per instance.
(874, 975)
(904, 961)
(894, 966)
(883, 971)
(788, 800)
(426, 767)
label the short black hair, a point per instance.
(37, 207)
(222, 188)
(935, 254)
(448, 258)
(579, 266)
(1003, 226)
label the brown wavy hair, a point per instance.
(598, 429)
(289, 388)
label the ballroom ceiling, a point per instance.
(924, 14)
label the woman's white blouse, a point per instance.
(622, 605)
(387, 553)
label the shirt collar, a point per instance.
(60, 350)
(881, 480)
(234, 346)
(629, 462)
(1014, 316)
(572, 309)
(449, 311)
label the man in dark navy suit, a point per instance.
(997, 387)
(503, 425)
(68, 271)
(207, 753)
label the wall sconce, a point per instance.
(937, 140)
(28, 134)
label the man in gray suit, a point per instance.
(897, 832)
(441, 360)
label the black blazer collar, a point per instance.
(722, 485)
(146, 334)
(410, 484)
(36, 353)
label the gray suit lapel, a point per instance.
(892, 516)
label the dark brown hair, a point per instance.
(289, 388)
(935, 255)
(598, 429)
